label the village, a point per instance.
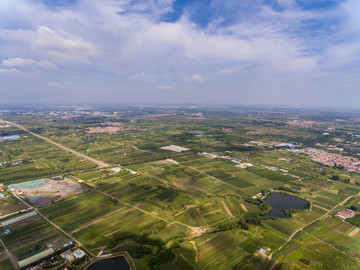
(351, 164)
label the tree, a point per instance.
(354, 208)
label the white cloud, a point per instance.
(195, 78)
(128, 38)
(59, 46)
(59, 84)
(165, 87)
(22, 62)
(143, 77)
(7, 71)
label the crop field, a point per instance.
(313, 254)
(194, 218)
(32, 234)
(222, 250)
(172, 210)
(120, 223)
(31, 158)
(4, 261)
(70, 214)
(91, 175)
(10, 204)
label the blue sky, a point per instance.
(163, 51)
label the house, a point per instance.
(67, 255)
(346, 213)
(116, 169)
(78, 254)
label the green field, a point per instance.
(154, 208)
(30, 235)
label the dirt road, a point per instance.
(56, 226)
(11, 257)
(298, 230)
(100, 163)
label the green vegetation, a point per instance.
(171, 210)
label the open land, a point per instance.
(199, 205)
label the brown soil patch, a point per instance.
(52, 191)
(354, 232)
(244, 207)
(227, 209)
(212, 212)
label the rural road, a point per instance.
(11, 257)
(298, 230)
(56, 226)
(100, 163)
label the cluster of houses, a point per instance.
(291, 145)
(9, 137)
(306, 123)
(239, 164)
(174, 148)
(109, 130)
(11, 163)
(132, 172)
(330, 159)
(258, 196)
(208, 155)
(244, 165)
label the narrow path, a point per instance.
(10, 256)
(74, 178)
(15, 213)
(330, 245)
(145, 212)
(201, 216)
(81, 227)
(100, 163)
(56, 226)
(176, 185)
(298, 230)
(196, 250)
(186, 208)
(211, 176)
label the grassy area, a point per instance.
(32, 158)
(10, 204)
(156, 214)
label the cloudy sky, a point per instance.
(295, 52)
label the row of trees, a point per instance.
(241, 221)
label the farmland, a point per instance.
(32, 158)
(196, 209)
(9, 205)
(30, 235)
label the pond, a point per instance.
(118, 263)
(281, 201)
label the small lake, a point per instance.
(118, 263)
(280, 201)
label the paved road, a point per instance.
(100, 163)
